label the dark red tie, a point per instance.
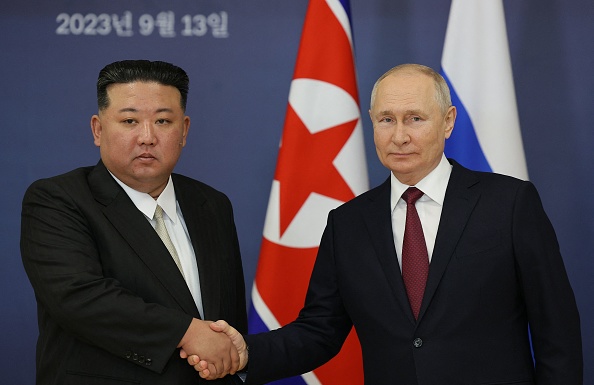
(415, 260)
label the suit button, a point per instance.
(148, 361)
(417, 343)
(128, 354)
(135, 356)
(141, 359)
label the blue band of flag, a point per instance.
(463, 145)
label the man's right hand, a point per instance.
(212, 346)
(208, 369)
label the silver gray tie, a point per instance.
(164, 235)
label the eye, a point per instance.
(129, 121)
(162, 121)
(386, 119)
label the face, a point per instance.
(409, 128)
(141, 134)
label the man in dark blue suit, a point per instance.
(495, 282)
(115, 299)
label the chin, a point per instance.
(400, 168)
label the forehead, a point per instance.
(143, 92)
(406, 89)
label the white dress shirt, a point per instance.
(176, 227)
(429, 206)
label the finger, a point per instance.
(234, 360)
(213, 372)
(219, 326)
(201, 366)
(193, 360)
(205, 373)
(226, 366)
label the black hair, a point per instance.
(129, 71)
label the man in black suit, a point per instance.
(116, 301)
(496, 281)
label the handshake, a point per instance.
(214, 349)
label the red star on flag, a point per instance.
(320, 165)
(310, 156)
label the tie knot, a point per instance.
(159, 212)
(411, 195)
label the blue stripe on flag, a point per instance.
(255, 323)
(298, 380)
(463, 145)
(289, 381)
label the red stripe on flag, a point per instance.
(282, 277)
(346, 367)
(325, 53)
(306, 165)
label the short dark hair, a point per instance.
(129, 71)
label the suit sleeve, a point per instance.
(314, 337)
(74, 295)
(552, 311)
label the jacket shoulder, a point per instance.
(186, 187)
(379, 195)
(73, 180)
(489, 180)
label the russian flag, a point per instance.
(477, 66)
(321, 164)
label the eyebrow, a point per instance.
(414, 112)
(128, 109)
(384, 112)
(407, 112)
(132, 109)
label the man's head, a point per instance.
(141, 125)
(412, 116)
(130, 71)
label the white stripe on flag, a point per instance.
(477, 62)
(341, 16)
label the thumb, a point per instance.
(220, 326)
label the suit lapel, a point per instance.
(379, 224)
(140, 235)
(199, 219)
(459, 202)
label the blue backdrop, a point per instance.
(240, 56)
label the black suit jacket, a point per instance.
(496, 270)
(112, 305)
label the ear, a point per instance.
(96, 129)
(185, 130)
(371, 118)
(450, 119)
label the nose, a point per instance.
(147, 135)
(400, 135)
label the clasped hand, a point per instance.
(214, 355)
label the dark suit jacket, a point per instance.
(112, 305)
(496, 268)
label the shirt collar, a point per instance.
(147, 204)
(434, 185)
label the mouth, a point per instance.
(145, 157)
(400, 155)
